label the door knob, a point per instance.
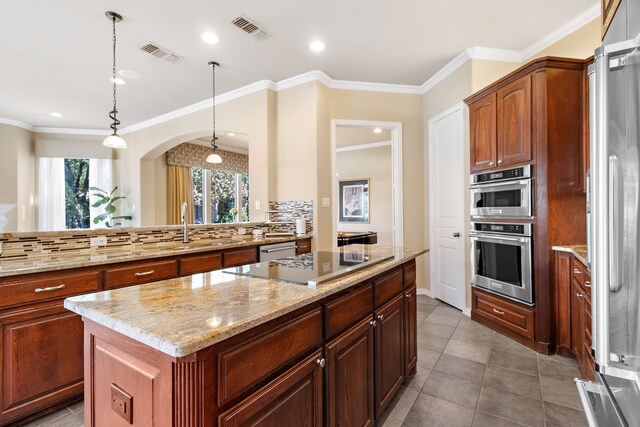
(456, 234)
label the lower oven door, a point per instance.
(502, 265)
(502, 199)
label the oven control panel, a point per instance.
(502, 228)
(507, 174)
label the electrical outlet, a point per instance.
(257, 205)
(242, 231)
(0, 248)
(98, 241)
(326, 202)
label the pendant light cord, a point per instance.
(213, 110)
(113, 114)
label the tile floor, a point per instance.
(467, 375)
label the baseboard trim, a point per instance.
(424, 291)
(467, 311)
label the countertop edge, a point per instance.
(572, 250)
(179, 350)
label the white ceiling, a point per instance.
(56, 55)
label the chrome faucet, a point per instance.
(185, 231)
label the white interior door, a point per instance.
(447, 192)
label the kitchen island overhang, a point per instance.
(212, 348)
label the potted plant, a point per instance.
(108, 201)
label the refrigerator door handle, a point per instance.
(615, 186)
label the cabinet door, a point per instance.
(293, 399)
(514, 122)
(563, 299)
(389, 351)
(349, 377)
(577, 319)
(41, 353)
(482, 117)
(410, 330)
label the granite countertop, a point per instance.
(181, 316)
(107, 255)
(579, 251)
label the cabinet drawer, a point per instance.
(303, 246)
(578, 270)
(410, 275)
(200, 263)
(50, 286)
(233, 257)
(387, 287)
(141, 273)
(347, 310)
(511, 316)
(243, 366)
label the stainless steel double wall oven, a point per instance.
(502, 250)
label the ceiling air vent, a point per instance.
(250, 27)
(160, 52)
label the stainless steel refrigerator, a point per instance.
(613, 399)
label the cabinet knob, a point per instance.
(490, 163)
(587, 283)
(499, 161)
(501, 313)
(373, 323)
(578, 294)
(321, 362)
(381, 317)
(407, 295)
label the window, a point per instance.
(64, 198)
(220, 196)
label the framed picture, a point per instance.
(354, 200)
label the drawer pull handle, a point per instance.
(587, 283)
(49, 289)
(321, 362)
(146, 273)
(373, 323)
(576, 271)
(501, 313)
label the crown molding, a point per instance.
(569, 27)
(485, 53)
(17, 123)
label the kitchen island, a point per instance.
(220, 349)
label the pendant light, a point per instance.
(214, 157)
(114, 140)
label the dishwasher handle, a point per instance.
(285, 248)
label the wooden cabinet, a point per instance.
(512, 317)
(609, 8)
(139, 273)
(389, 352)
(240, 256)
(482, 118)
(293, 399)
(410, 330)
(514, 122)
(349, 377)
(303, 246)
(346, 310)
(200, 263)
(41, 350)
(573, 311)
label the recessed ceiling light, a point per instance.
(130, 74)
(57, 115)
(316, 46)
(209, 38)
(377, 130)
(117, 81)
(231, 134)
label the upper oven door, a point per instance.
(502, 199)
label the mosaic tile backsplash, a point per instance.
(39, 244)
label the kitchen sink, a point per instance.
(209, 243)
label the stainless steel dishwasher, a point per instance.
(277, 251)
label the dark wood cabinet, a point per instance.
(389, 352)
(200, 263)
(514, 319)
(41, 350)
(240, 256)
(573, 311)
(514, 122)
(482, 118)
(139, 273)
(293, 399)
(349, 377)
(303, 246)
(410, 330)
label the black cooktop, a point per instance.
(313, 268)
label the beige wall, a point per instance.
(580, 44)
(374, 164)
(17, 176)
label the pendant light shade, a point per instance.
(214, 157)
(114, 140)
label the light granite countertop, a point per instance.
(181, 316)
(100, 256)
(579, 251)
